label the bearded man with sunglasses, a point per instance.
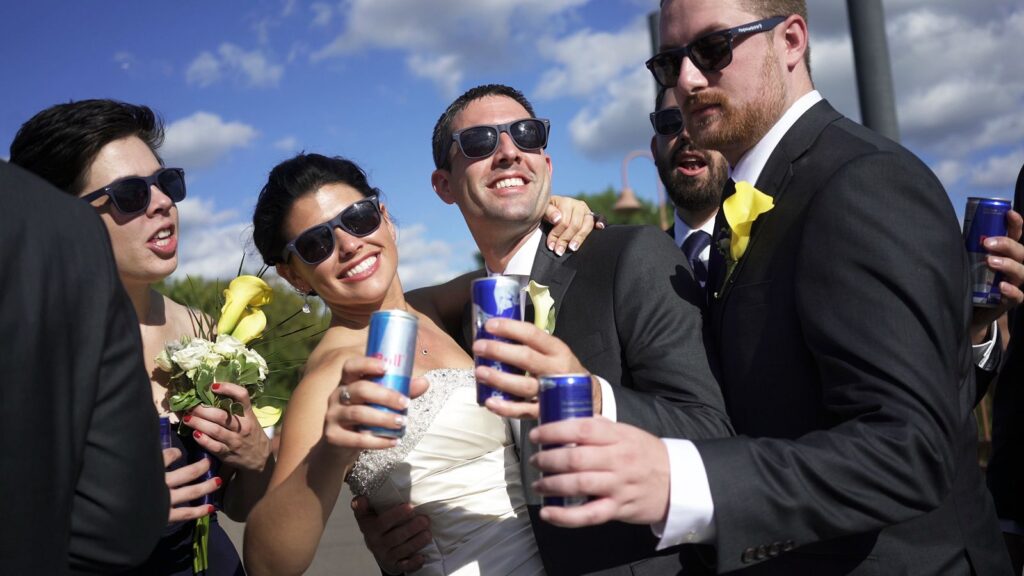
(841, 332)
(626, 304)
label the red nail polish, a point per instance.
(197, 434)
(186, 418)
(215, 387)
(218, 481)
(210, 509)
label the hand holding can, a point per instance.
(495, 297)
(565, 397)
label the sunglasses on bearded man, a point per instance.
(710, 53)
(315, 244)
(667, 121)
(131, 195)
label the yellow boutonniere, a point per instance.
(741, 210)
(543, 306)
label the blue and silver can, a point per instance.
(165, 433)
(392, 338)
(984, 218)
(494, 297)
(565, 397)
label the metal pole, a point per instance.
(874, 73)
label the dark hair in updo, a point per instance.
(289, 181)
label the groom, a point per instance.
(626, 304)
(842, 331)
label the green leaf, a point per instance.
(184, 401)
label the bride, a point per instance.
(323, 226)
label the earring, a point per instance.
(305, 300)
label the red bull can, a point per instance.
(984, 218)
(165, 433)
(565, 397)
(392, 338)
(494, 297)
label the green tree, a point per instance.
(290, 335)
(604, 202)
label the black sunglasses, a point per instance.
(709, 53)
(481, 141)
(667, 121)
(131, 195)
(315, 244)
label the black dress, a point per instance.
(173, 553)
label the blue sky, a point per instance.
(244, 85)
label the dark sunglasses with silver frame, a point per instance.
(527, 134)
(313, 245)
(131, 195)
(667, 121)
(710, 53)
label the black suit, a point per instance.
(82, 480)
(1006, 467)
(847, 371)
(627, 305)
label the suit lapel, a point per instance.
(555, 272)
(775, 176)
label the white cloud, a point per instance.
(254, 67)
(125, 60)
(588, 60)
(212, 241)
(204, 70)
(616, 122)
(424, 261)
(999, 172)
(203, 138)
(288, 144)
(323, 13)
(474, 35)
(443, 70)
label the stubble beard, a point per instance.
(739, 128)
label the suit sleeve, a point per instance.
(673, 393)
(882, 305)
(120, 501)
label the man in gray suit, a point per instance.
(626, 304)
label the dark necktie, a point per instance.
(694, 244)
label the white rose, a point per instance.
(227, 346)
(163, 361)
(191, 357)
(251, 356)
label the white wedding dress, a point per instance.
(456, 464)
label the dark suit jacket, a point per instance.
(847, 371)
(627, 305)
(82, 479)
(1006, 466)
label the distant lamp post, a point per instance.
(627, 201)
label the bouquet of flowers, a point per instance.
(221, 355)
(195, 363)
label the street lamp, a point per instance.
(627, 201)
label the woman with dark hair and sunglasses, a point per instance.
(104, 152)
(327, 231)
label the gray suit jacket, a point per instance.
(627, 305)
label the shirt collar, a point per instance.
(752, 163)
(521, 263)
(682, 230)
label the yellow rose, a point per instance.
(741, 210)
(244, 294)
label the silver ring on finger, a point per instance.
(346, 397)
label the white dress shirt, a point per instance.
(519, 267)
(681, 230)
